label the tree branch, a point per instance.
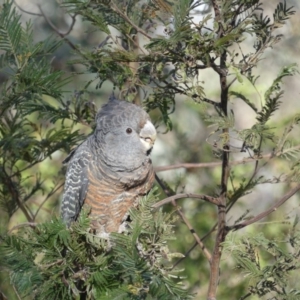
(170, 199)
(26, 11)
(195, 244)
(119, 12)
(192, 230)
(216, 10)
(62, 35)
(273, 208)
(54, 27)
(17, 294)
(218, 163)
(45, 200)
(183, 92)
(187, 166)
(221, 232)
(15, 195)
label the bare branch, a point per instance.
(195, 244)
(54, 190)
(170, 199)
(192, 230)
(42, 14)
(62, 35)
(54, 27)
(72, 25)
(17, 294)
(219, 163)
(2, 296)
(273, 208)
(188, 166)
(26, 11)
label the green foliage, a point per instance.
(35, 120)
(268, 264)
(53, 262)
(172, 65)
(25, 61)
(260, 133)
(274, 93)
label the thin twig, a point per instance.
(26, 224)
(170, 199)
(180, 91)
(54, 27)
(188, 166)
(219, 163)
(3, 296)
(42, 14)
(237, 197)
(26, 11)
(193, 247)
(136, 43)
(246, 296)
(268, 211)
(125, 17)
(72, 24)
(192, 230)
(15, 194)
(62, 35)
(45, 200)
(57, 262)
(19, 171)
(16, 292)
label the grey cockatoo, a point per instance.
(111, 168)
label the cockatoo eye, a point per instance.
(129, 130)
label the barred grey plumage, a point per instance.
(111, 168)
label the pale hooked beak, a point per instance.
(148, 135)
